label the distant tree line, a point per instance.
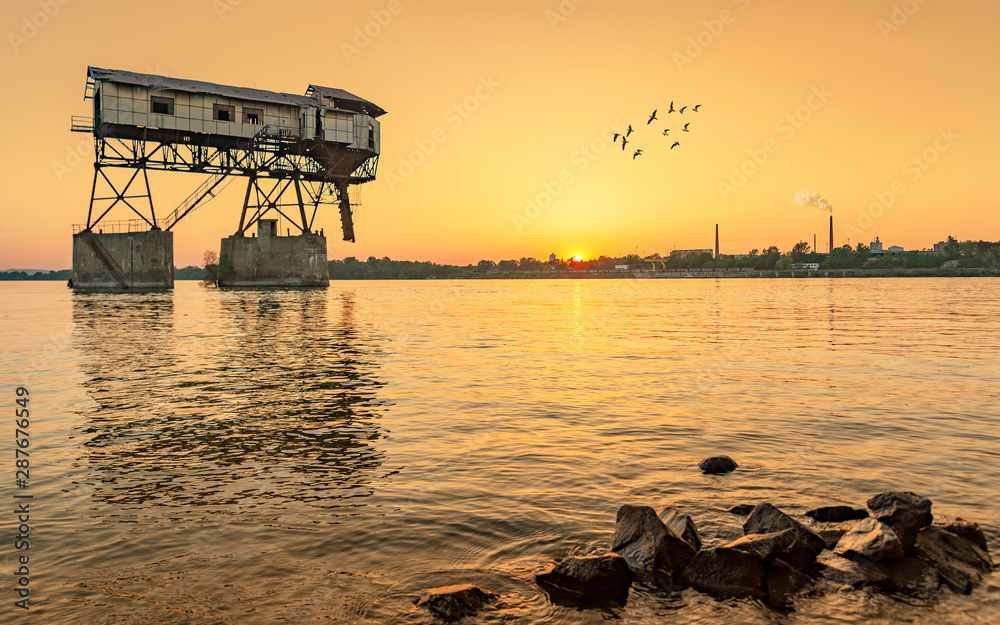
(967, 254)
(62, 274)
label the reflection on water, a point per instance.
(226, 456)
(266, 399)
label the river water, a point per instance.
(314, 456)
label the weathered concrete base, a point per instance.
(125, 261)
(270, 260)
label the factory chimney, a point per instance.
(831, 234)
(716, 240)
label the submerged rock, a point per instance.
(717, 464)
(958, 560)
(871, 540)
(454, 603)
(766, 519)
(906, 513)
(588, 580)
(723, 572)
(681, 525)
(646, 543)
(836, 514)
(742, 509)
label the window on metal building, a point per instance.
(223, 112)
(161, 105)
(253, 116)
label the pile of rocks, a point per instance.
(892, 546)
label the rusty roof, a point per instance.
(339, 98)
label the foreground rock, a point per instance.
(724, 572)
(717, 464)
(836, 514)
(453, 603)
(906, 513)
(766, 547)
(912, 576)
(783, 582)
(646, 543)
(959, 561)
(681, 525)
(859, 573)
(871, 540)
(806, 544)
(968, 530)
(588, 580)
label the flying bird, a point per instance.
(637, 153)
(630, 131)
(665, 132)
(624, 143)
(652, 117)
(682, 110)
(676, 143)
(615, 139)
(685, 128)
(671, 107)
(696, 108)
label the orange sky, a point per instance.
(870, 85)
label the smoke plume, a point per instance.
(808, 198)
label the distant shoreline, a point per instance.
(675, 274)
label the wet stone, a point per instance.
(836, 514)
(453, 603)
(717, 464)
(588, 580)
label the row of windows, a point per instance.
(220, 112)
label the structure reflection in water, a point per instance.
(281, 406)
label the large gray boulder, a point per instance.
(905, 512)
(723, 572)
(767, 519)
(871, 540)
(588, 580)
(717, 464)
(681, 525)
(958, 560)
(646, 543)
(453, 603)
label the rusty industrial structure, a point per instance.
(296, 151)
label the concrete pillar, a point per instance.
(123, 261)
(272, 260)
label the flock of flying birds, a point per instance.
(653, 118)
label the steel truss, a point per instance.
(277, 167)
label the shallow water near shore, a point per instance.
(313, 456)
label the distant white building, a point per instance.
(896, 249)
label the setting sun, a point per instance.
(577, 258)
